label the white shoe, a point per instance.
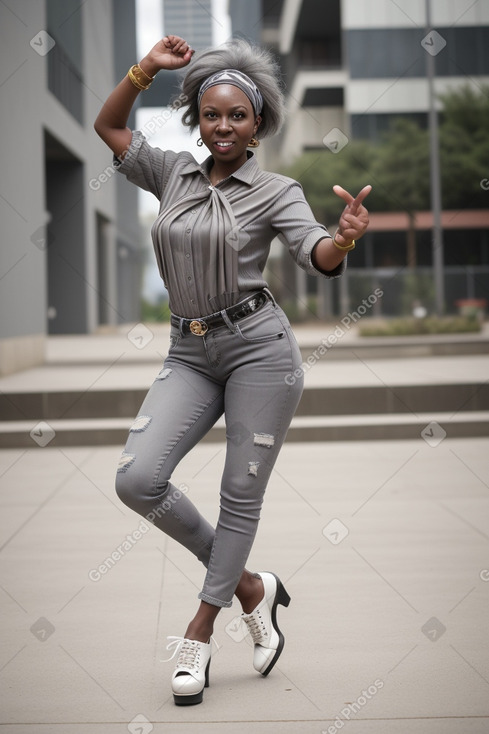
(262, 624)
(191, 674)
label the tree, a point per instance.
(401, 175)
(319, 171)
(464, 147)
(398, 166)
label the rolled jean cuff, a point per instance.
(214, 602)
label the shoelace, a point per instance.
(189, 655)
(256, 626)
(176, 643)
(188, 651)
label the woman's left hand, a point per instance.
(354, 219)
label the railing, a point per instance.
(403, 288)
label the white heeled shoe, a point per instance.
(262, 624)
(191, 674)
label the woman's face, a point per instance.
(227, 124)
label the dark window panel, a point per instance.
(380, 53)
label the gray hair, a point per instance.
(255, 62)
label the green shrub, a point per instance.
(430, 325)
(296, 315)
(155, 312)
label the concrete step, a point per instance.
(320, 400)
(342, 343)
(396, 348)
(432, 427)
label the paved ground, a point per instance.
(383, 547)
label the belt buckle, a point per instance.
(199, 328)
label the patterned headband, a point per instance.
(237, 79)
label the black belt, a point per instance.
(199, 327)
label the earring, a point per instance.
(254, 143)
(200, 142)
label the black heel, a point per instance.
(206, 684)
(268, 640)
(282, 595)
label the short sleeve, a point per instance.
(296, 226)
(146, 166)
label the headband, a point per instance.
(237, 79)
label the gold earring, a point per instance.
(254, 143)
(200, 142)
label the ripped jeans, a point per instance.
(238, 370)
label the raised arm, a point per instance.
(171, 52)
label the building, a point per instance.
(190, 20)
(349, 68)
(356, 66)
(70, 257)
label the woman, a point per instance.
(231, 345)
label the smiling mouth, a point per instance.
(223, 145)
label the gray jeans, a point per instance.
(238, 370)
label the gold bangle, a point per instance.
(139, 77)
(344, 248)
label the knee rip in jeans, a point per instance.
(125, 462)
(253, 468)
(140, 424)
(264, 439)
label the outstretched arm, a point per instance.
(352, 225)
(172, 52)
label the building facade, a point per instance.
(191, 20)
(70, 260)
(349, 69)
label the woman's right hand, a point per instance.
(172, 52)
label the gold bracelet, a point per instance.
(343, 248)
(139, 77)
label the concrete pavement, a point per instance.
(383, 547)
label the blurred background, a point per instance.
(374, 95)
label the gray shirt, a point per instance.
(212, 242)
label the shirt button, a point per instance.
(189, 277)
(192, 300)
(187, 255)
(188, 231)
